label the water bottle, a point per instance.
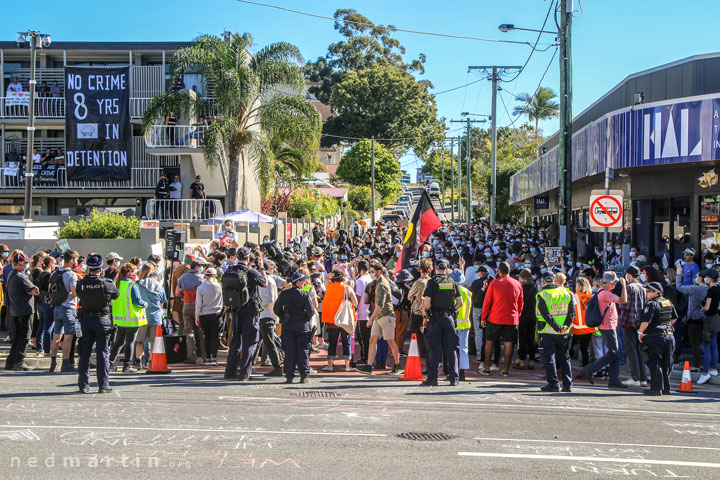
(78, 329)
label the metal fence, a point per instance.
(180, 136)
(14, 106)
(140, 178)
(182, 210)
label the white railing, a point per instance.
(14, 106)
(179, 136)
(182, 210)
(137, 106)
(140, 178)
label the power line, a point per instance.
(458, 88)
(393, 28)
(553, 4)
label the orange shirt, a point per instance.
(334, 294)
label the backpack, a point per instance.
(593, 318)
(58, 293)
(235, 289)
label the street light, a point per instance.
(508, 27)
(37, 40)
(465, 114)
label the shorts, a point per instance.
(147, 332)
(384, 327)
(497, 332)
(64, 320)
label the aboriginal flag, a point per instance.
(424, 222)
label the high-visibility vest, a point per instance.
(463, 315)
(557, 301)
(579, 327)
(125, 313)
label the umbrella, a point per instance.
(247, 215)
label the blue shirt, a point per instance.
(690, 271)
(135, 294)
(152, 292)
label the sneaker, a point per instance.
(25, 368)
(85, 389)
(207, 363)
(643, 384)
(304, 380)
(713, 373)
(275, 372)
(314, 350)
(704, 378)
(366, 370)
(631, 383)
(429, 383)
(494, 368)
(105, 390)
(129, 369)
(653, 393)
(327, 368)
(548, 388)
(566, 389)
(588, 375)
(396, 370)
(616, 385)
(487, 373)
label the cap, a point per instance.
(297, 276)
(619, 268)
(609, 277)
(4, 248)
(442, 264)
(243, 252)
(633, 270)
(689, 251)
(20, 257)
(94, 262)
(113, 256)
(317, 251)
(548, 277)
(366, 251)
(710, 272)
(211, 271)
(403, 276)
(654, 287)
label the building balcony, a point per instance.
(176, 138)
(182, 210)
(17, 105)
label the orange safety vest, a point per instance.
(578, 327)
(334, 294)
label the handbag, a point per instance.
(345, 317)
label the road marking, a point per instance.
(591, 459)
(209, 430)
(529, 406)
(520, 440)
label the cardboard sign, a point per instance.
(553, 255)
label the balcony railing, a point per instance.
(56, 178)
(182, 210)
(18, 106)
(176, 136)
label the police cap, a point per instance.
(94, 262)
(441, 264)
(654, 287)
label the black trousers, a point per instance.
(21, 327)
(442, 339)
(660, 360)
(95, 331)
(210, 325)
(245, 337)
(416, 323)
(556, 347)
(124, 337)
(526, 342)
(363, 335)
(267, 334)
(583, 342)
(296, 346)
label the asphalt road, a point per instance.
(197, 425)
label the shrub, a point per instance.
(101, 224)
(311, 204)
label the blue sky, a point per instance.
(611, 39)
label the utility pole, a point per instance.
(452, 182)
(442, 177)
(494, 73)
(372, 177)
(565, 135)
(467, 174)
(468, 203)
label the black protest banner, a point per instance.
(97, 123)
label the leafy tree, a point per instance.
(311, 204)
(540, 106)
(360, 198)
(355, 168)
(365, 45)
(251, 114)
(433, 165)
(101, 224)
(386, 102)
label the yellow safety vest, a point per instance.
(125, 313)
(463, 316)
(557, 301)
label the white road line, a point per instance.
(591, 459)
(520, 440)
(530, 406)
(210, 430)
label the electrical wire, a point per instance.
(462, 109)
(393, 28)
(536, 90)
(537, 40)
(458, 88)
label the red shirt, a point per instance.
(503, 302)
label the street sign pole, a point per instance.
(605, 230)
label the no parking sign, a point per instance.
(606, 211)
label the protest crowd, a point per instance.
(481, 300)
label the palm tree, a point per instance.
(538, 107)
(251, 111)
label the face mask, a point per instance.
(578, 264)
(609, 249)
(543, 270)
(426, 254)
(633, 254)
(643, 277)
(5, 254)
(568, 257)
(618, 251)
(528, 265)
(533, 249)
(488, 254)
(709, 265)
(84, 268)
(435, 242)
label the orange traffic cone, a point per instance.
(413, 369)
(686, 382)
(158, 360)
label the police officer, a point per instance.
(294, 308)
(245, 320)
(95, 294)
(656, 335)
(555, 311)
(162, 193)
(441, 301)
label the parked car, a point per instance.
(389, 217)
(434, 190)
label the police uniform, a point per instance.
(441, 335)
(295, 309)
(94, 295)
(555, 308)
(657, 340)
(245, 324)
